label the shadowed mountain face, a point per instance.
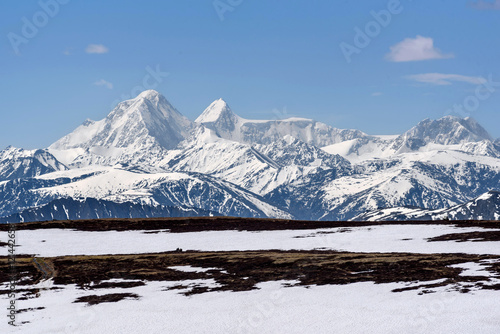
(484, 207)
(145, 158)
(89, 208)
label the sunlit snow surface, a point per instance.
(381, 238)
(354, 308)
(272, 308)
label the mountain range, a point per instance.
(145, 159)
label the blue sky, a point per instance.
(267, 59)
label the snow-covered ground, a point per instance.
(376, 238)
(274, 309)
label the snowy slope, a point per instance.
(362, 149)
(258, 168)
(120, 185)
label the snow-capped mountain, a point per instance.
(145, 158)
(137, 131)
(447, 133)
(449, 130)
(220, 118)
(484, 207)
(17, 163)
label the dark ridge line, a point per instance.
(199, 224)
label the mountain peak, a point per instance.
(448, 130)
(147, 122)
(216, 111)
(149, 94)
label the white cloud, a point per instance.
(96, 48)
(486, 5)
(445, 79)
(415, 49)
(104, 83)
(376, 94)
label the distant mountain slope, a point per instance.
(90, 208)
(484, 207)
(17, 163)
(432, 179)
(120, 185)
(258, 168)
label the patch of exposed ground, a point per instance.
(113, 285)
(469, 236)
(30, 309)
(109, 298)
(242, 271)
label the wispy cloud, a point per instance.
(445, 79)
(67, 52)
(415, 49)
(486, 5)
(96, 48)
(376, 94)
(104, 83)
